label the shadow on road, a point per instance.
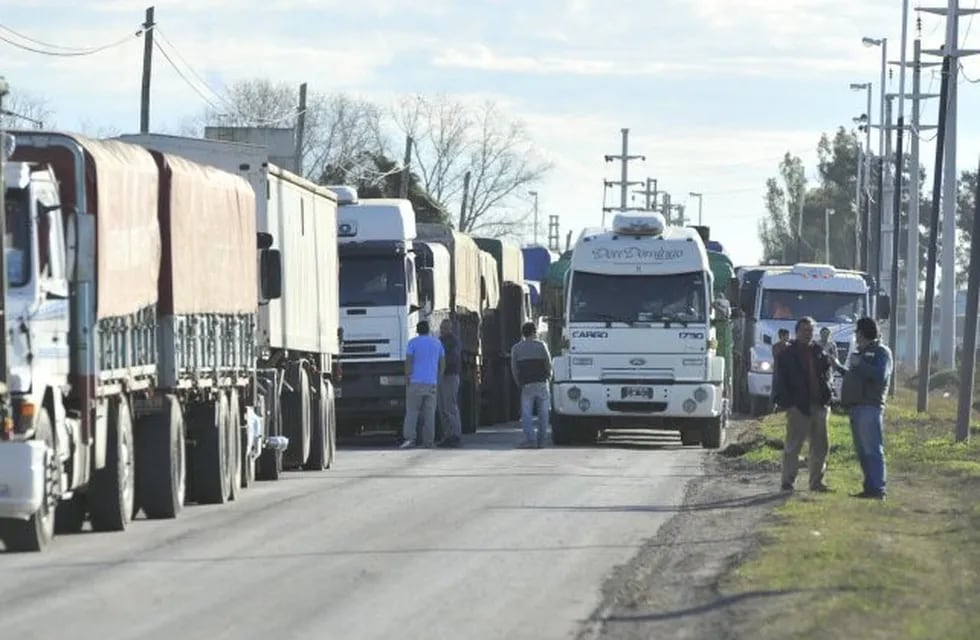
(735, 503)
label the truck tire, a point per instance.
(234, 446)
(210, 460)
(690, 437)
(712, 433)
(35, 533)
(69, 517)
(112, 498)
(562, 431)
(296, 418)
(318, 431)
(758, 406)
(160, 461)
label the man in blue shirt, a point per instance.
(863, 393)
(424, 363)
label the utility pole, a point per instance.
(466, 199)
(912, 279)
(650, 193)
(667, 208)
(4, 90)
(887, 203)
(300, 128)
(148, 25)
(624, 182)
(700, 197)
(947, 334)
(406, 170)
(863, 198)
(897, 207)
(970, 329)
(925, 353)
(554, 237)
(682, 219)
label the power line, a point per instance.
(180, 73)
(180, 57)
(66, 52)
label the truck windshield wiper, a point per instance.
(668, 318)
(609, 318)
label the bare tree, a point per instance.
(452, 138)
(25, 111)
(340, 130)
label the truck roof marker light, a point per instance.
(639, 225)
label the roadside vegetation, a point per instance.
(832, 566)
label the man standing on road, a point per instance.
(802, 386)
(530, 363)
(424, 362)
(449, 388)
(863, 394)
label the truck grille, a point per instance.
(354, 349)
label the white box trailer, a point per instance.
(297, 338)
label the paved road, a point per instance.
(482, 542)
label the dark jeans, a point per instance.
(868, 431)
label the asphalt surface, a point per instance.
(482, 542)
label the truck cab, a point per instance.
(379, 307)
(33, 450)
(775, 297)
(641, 348)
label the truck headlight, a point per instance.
(574, 393)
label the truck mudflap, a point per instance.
(22, 467)
(676, 400)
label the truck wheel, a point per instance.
(562, 431)
(234, 447)
(758, 406)
(690, 437)
(69, 517)
(35, 533)
(318, 431)
(712, 433)
(112, 497)
(210, 462)
(296, 419)
(160, 461)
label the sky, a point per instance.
(714, 92)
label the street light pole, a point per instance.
(700, 197)
(826, 231)
(535, 194)
(4, 90)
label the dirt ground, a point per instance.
(670, 589)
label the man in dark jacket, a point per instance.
(530, 364)
(801, 385)
(863, 394)
(448, 393)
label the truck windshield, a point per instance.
(822, 306)
(372, 281)
(18, 238)
(597, 297)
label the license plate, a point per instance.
(637, 392)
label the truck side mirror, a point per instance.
(884, 307)
(270, 274)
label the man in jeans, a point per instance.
(449, 388)
(801, 385)
(863, 394)
(424, 362)
(530, 364)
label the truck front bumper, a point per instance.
(371, 391)
(22, 468)
(760, 384)
(597, 399)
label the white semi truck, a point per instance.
(389, 281)
(774, 297)
(641, 350)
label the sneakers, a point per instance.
(408, 444)
(821, 488)
(869, 495)
(527, 445)
(450, 442)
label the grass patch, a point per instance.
(905, 568)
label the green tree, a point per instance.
(966, 204)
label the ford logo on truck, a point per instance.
(590, 334)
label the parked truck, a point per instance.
(465, 304)
(389, 280)
(134, 316)
(774, 297)
(642, 351)
(501, 397)
(537, 260)
(297, 340)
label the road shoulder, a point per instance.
(673, 587)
